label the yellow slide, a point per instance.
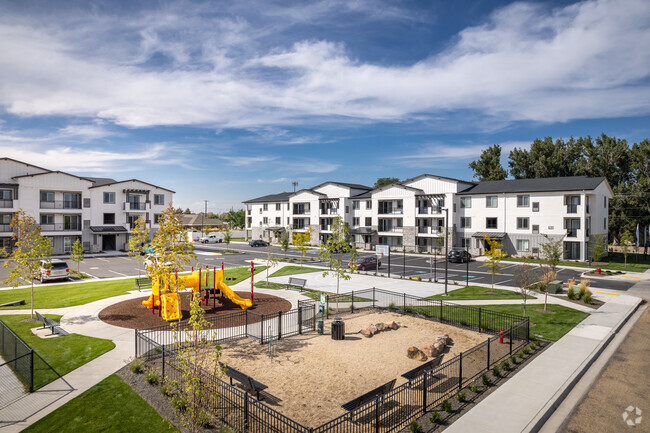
(243, 303)
(170, 301)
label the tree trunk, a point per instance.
(32, 299)
(545, 298)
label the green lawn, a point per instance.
(109, 406)
(64, 353)
(68, 295)
(292, 270)
(614, 262)
(478, 293)
(313, 294)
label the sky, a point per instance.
(227, 101)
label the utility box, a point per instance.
(554, 287)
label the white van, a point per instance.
(212, 238)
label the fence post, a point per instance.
(279, 325)
(373, 297)
(299, 319)
(527, 329)
(246, 322)
(136, 341)
(163, 362)
(31, 370)
(441, 310)
(479, 320)
(246, 412)
(353, 301)
(488, 354)
(262, 329)
(460, 371)
(327, 306)
(404, 303)
(424, 392)
(377, 414)
(511, 340)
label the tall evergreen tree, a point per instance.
(488, 166)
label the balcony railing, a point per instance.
(328, 211)
(572, 233)
(301, 212)
(5, 228)
(391, 229)
(61, 227)
(6, 204)
(298, 226)
(396, 211)
(135, 206)
(572, 208)
(65, 204)
(325, 228)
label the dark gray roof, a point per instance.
(569, 183)
(99, 181)
(283, 196)
(114, 182)
(367, 194)
(108, 229)
(493, 235)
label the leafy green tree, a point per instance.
(547, 158)
(187, 211)
(627, 240)
(488, 166)
(301, 241)
(236, 219)
(332, 251)
(138, 238)
(551, 253)
(385, 181)
(284, 242)
(30, 247)
(598, 246)
(608, 157)
(639, 191)
(494, 255)
(77, 253)
(524, 278)
(227, 237)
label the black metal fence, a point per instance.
(387, 413)
(19, 358)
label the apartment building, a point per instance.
(99, 211)
(422, 213)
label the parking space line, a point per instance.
(118, 273)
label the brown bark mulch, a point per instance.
(132, 314)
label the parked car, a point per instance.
(363, 263)
(150, 259)
(54, 270)
(258, 243)
(212, 238)
(459, 256)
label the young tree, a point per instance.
(271, 260)
(598, 246)
(524, 278)
(385, 181)
(30, 247)
(227, 237)
(77, 253)
(626, 242)
(332, 250)
(552, 252)
(284, 242)
(301, 241)
(488, 166)
(138, 238)
(494, 255)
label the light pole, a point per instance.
(446, 247)
(203, 217)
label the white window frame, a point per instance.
(466, 202)
(489, 199)
(465, 222)
(521, 243)
(159, 199)
(523, 200)
(496, 226)
(111, 197)
(521, 221)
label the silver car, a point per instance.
(54, 270)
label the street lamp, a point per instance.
(446, 247)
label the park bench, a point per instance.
(417, 371)
(297, 282)
(49, 323)
(143, 283)
(247, 382)
(369, 396)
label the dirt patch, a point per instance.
(313, 375)
(132, 314)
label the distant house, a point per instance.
(197, 222)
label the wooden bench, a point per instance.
(49, 323)
(297, 282)
(420, 370)
(247, 382)
(369, 396)
(143, 283)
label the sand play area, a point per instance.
(313, 375)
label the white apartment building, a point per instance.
(414, 213)
(99, 211)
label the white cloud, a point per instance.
(525, 62)
(439, 155)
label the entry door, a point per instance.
(108, 242)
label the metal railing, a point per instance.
(6, 204)
(18, 356)
(5, 228)
(60, 227)
(65, 204)
(135, 206)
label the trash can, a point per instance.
(319, 326)
(338, 329)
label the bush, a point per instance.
(461, 397)
(164, 390)
(474, 389)
(486, 380)
(505, 366)
(570, 293)
(446, 405)
(520, 355)
(584, 286)
(153, 377)
(435, 417)
(587, 297)
(526, 351)
(513, 359)
(496, 372)
(137, 366)
(414, 427)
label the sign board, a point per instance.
(322, 299)
(382, 250)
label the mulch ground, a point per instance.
(132, 314)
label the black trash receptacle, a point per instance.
(338, 329)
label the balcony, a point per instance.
(334, 211)
(6, 204)
(324, 228)
(396, 211)
(572, 208)
(61, 227)
(65, 204)
(572, 233)
(430, 230)
(391, 229)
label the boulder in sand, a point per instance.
(415, 353)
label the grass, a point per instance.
(313, 294)
(64, 353)
(292, 270)
(613, 262)
(68, 295)
(478, 293)
(111, 405)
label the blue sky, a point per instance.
(226, 101)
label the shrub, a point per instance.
(137, 366)
(446, 405)
(570, 293)
(474, 389)
(587, 297)
(526, 351)
(461, 397)
(513, 358)
(505, 366)
(153, 377)
(179, 402)
(496, 372)
(486, 380)
(391, 306)
(414, 427)
(164, 390)
(584, 286)
(435, 417)
(520, 355)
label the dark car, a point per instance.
(363, 263)
(459, 256)
(258, 243)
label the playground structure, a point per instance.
(167, 301)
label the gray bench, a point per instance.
(247, 382)
(143, 283)
(49, 323)
(297, 282)
(369, 396)
(420, 370)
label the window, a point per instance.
(86, 224)
(288, 220)
(355, 221)
(47, 196)
(572, 202)
(605, 223)
(368, 221)
(490, 223)
(159, 199)
(465, 202)
(491, 201)
(265, 220)
(5, 194)
(156, 218)
(86, 202)
(368, 204)
(109, 218)
(278, 221)
(522, 223)
(347, 209)
(522, 200)
(522, 244)
(47, 219)
(109, 197)
(466, 222)
(67, 244)
(535, 206)
(355, 204)
(535, 229)
(265, 207)
(466, 243)
(278, 206)
(605, 202)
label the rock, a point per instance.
(393, 325)
(415, 353)
(381, 326)
(367, 332)
(428, 350)
(433, 350)
(446, 338)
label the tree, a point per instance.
(30, 247)
(627, 240)
(488, 166)
(549, 159)
(524, 279)
(138, 238)
(77, 253)
(271, 260)
(331, 251)
(551, 254)
(187, 211)
(494, 255)
(385, 181)
(236, 219)
(227, 237)
(284, 242)
(301, 241)
(598, 246)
